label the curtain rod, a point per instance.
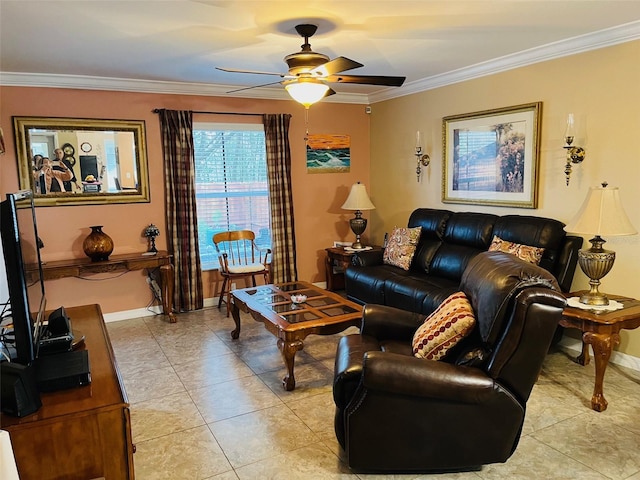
(157, 110)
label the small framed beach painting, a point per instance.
(328, 153)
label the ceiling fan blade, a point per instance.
(337, 65)
(367, 80)
(253, 86)
(331, 91)
(254, 72)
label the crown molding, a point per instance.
(82, 82)
(583, 43)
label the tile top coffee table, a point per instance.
(323, 313)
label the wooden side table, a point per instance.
(337, 261)
(601, 330)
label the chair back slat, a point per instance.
(240, 258)
(236, 248)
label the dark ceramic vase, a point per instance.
(98, 245)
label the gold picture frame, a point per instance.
(113, 170)
(491, 157)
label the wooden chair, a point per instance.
(239, 257)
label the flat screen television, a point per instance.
(20, 244)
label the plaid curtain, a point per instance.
(283, 241)
(182, 220)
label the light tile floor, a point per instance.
(204, 406)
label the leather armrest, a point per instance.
(367, 258)
(348, 366)
(400, 374)
(390, 323)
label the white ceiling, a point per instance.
(174, 45)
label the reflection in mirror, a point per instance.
(82, 161)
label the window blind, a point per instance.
(231, 184)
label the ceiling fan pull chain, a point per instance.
(306, 124)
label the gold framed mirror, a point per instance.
(82, 161)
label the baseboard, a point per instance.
(129, 314)
(624, 360)
(147, 312)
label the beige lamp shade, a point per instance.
(601, 214)
(358, 198)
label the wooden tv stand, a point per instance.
(80, 433)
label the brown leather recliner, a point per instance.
(399, 413)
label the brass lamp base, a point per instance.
(595, 263)
(358, 226)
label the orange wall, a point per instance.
(317, 197)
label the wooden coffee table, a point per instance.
(324, 313)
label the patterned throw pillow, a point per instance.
(523, 252)
(444, 328)
(401, 247)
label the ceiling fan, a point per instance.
(309, 72)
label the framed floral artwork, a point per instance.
(491, 157)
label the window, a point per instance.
(231, 184)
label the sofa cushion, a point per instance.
(466, 234)
(401, 247)
(444, 328)
(366, 285)
(417, 292)
(537, 232)
(523, 252)
(433, 223)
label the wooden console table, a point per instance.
(78, 267)
(601, 330)
(82, 432)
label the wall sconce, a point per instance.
(575, 154)
(422, 160)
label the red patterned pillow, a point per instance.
(401, 247)
(444, 328)
(523, 252)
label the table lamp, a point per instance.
(151, 232)
(358, 200)
(601, 214)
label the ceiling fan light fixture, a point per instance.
(307, 91)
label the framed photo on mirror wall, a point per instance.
(491, 157)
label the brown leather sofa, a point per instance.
(448, 242)
(399, 413)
